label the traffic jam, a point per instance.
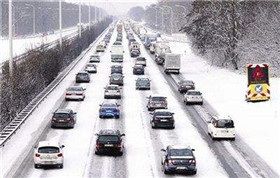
(129, 95)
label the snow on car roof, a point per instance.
(48, 143)
(179, 147)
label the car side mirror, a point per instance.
(173, 113)
(100, 105)
(122, 135)
(193, 149)
(96, 134)
(163, 150)
(151, 113)
(84, 89)
(110, 51)
(74, 113)
(118, 105)
(62, 146)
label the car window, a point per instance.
(109, 105)
(194, 93)
(106, 138)
(61, 115)
(74, 89)
(82, 74)
(112, 87)
(158, 98)
(162, 113)
(141, 59)
(186, 82)
(180, 152)
(224, 123)
(48, 150)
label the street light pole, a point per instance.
(34, 18)
(10, 39)
(171, 12)
(80, 19)
(60, 24)
(89, 17)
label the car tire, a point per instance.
(61, 166)
(194, 172)
(233, 139)
(96, 152)
(153, 125)
(100, 117)
(66, 99)
(36, 166)
(117, 117)
(149, 109)
(120, 153)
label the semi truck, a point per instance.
(172, 63)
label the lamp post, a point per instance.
(60, 24)
(10, 39)
(171, 20)
(34, 18)
(89, 17)
(80, 19)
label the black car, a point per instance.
(138, 70)
(134, 53)
(82, 77)
(162, 118)
(63, 118)
(109, 142)
(178, 159)
(116, 69)
(185, 85)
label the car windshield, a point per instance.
(116, 75)
(116, 67)
(194, 93)
(225, 123)
(90, 65)
(48, 149)
(75, 89)
(138, 66)
(141, 59)
(61, 115)
(162, 113)
(158, 98)
(180, 152)
(112, 87)
(144, 80)
(187, 82)
(82, 74)
(109, 105)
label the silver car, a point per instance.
(112, 91)
(156, 102)
(143, 83)
(116, 79)
(193, 97)
(75, 93)
(91, 68)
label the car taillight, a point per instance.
(53, 119)
(102, 110)
(37, 155)
(191, 161)
(156, 119)
(68, 93)
(119, 145)
(59, 155)
(170, 161)
(97, 145)
(69, 119)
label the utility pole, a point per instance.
(89, 17)
(60, 24)
(80, 19)
(10, 39)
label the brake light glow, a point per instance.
(119, 145)
(97, 145)
(53, 119)
(37, 155)
(68, 93)
(192, 161)
(170, 161)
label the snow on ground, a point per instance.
(22, 45)
(256, 123)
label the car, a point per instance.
(48, 153)
(82, 77)
(94, 58)
(116, 69)
(63, 118)
(134, 53)
(221, 127)
(109, 109)
(138, 70)
(116, 79)
(178, 159)
(100, 47)
(75, 93)
(141, 61)
(162, 118)
(193, 97)
(91, 68)
(156, 102)
(112, 91)
(109, 142)
(119, 38)
(185, 85)
(143, 83)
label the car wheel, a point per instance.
(120, 153)
(153, 125)
(66, 99)
(61, 166)
(83, 99)
(100, 116)
(194, 172)
(96, 152)
(117, 117)
(233, 139)
(36, 166)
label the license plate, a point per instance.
(60, 120)
(109, 145)
(181, 168)
(163, 120)
(158, 105)
(224, 131)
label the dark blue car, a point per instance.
(178, 159)
(109, 110)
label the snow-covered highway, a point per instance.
(142, 153)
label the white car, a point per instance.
(193, 97)
(48, 153)
(221, 127)
(94, 58)
(112, 92)
(75, 93)
(91, 68)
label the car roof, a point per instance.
(83, 72)
(162, 110)
(75, 87)
(112, 86)
(222, 117)
(109, 132)
(64, 110)
(193, 91)
(138, 65)
(185, 80)
(48, 143)
(158, 95)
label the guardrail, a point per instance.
(16, 123)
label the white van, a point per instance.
(221, 127)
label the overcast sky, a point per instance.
(116, 7)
